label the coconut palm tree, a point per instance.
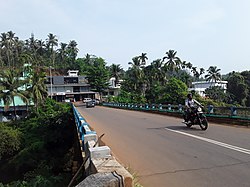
(136, 73)
(202, 71)
(1, 57)
(12, 41)
(158, 75)
(88, 59)
(31, 43)
(143, 58)
(213, 74)
(173, 62)
(40, 45)
(63, 53)
(135, 62)
(189, 65)
(116, 71)
(51, 42)
(10, 88)
(5, 48)
(38, 89)
(72, 50)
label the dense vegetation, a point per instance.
(167, 80)
(37, 151)
(141, 82)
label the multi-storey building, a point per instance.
(69, 88)
(201, 86)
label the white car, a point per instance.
(86, 100)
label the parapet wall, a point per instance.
(100, 167)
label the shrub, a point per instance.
(10, 140)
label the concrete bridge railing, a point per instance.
(100, 167)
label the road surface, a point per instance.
(163, 152)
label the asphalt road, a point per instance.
(163, 152)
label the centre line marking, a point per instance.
(239, 149)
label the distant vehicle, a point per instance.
(90, 104)
(67, 100)
(86, 100)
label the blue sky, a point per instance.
(203, 32)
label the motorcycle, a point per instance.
(197, 117)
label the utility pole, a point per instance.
(50, 82)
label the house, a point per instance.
(7, 113)
(69, 88)
(113, 89)
(201, 86)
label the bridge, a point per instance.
(99, 166)
(163, 152)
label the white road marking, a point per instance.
(239, 149)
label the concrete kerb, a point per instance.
(101, 179)
(99, 159)
(106, 165)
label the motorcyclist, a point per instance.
(189, 104)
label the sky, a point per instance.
(203, 32)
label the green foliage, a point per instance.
(82, 66)
(42, 176)
(238, 88)
(47, 137)
(127, 97)
(117, 72)
(154, 95)
(10, 140)
(218, 94)
(10, 87)
(98, 75)
(174, 92)
(173, 63)
(38, 89)
(213, 74)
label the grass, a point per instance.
(135, 177)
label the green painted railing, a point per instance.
(241, 113)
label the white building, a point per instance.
(112, 83)
(201, 86)
(113, 90)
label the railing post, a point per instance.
(180, 107)
(233, 111)
(160, 106)
(210, 109)
(153, 106)
(169, 106)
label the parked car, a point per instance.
(86, 100)
(90, 104)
